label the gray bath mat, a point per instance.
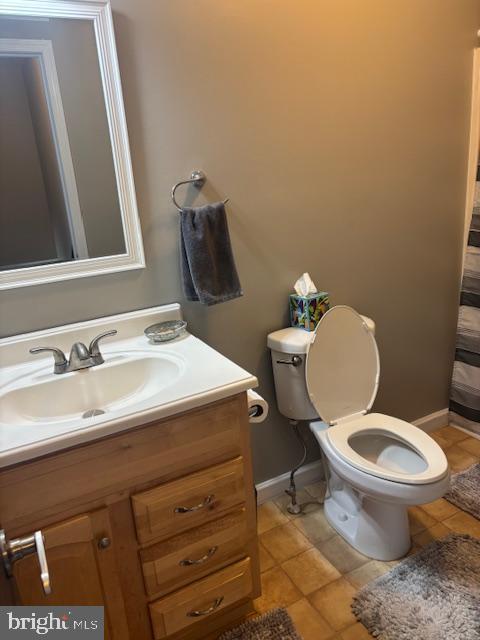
(273, 625)
(464, 490)
(433, 595)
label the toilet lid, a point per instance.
(342, 365)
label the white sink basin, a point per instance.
(124, 382)
(139, 382)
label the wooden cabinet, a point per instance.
(188, 502)
(82, 569)
(157, 524)
(184, 607)
(194, 554)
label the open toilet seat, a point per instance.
(342, 374)
(377, 465)
(388, 448)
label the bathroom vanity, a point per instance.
(148, 508)
(125, 470)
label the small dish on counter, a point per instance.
(165, 331)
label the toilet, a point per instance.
(377, 465)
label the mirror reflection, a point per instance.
(58, 187)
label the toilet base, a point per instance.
(368, 511)
(376, 529)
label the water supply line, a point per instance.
(295, 508)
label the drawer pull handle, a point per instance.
(188, 563)
(208, 500)
(196, 614)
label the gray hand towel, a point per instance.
(208, 267)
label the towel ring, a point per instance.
(198, 179)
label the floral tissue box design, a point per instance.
(306, 311)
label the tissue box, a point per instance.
(306, 311)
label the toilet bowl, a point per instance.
(375, 476)
(377, 465)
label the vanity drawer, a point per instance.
(188, 502)
(201, 599)
(196, 553)
(160, 451)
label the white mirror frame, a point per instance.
(99, 12)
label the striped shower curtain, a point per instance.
(465, 389)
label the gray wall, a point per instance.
(76, 62)
(83, 102)
(339, 132)
(47, 150)
(25, 228)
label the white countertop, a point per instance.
(202, 375)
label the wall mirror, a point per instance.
(67, 196)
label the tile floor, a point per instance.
(309, 569)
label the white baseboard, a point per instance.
(313, 472)
(469, 432)
(472, 434)
(433, 421)
(307, 474)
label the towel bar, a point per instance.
(198, 179)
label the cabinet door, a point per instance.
(82, 570)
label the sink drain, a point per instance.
(93, 412)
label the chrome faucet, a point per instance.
(81, 357)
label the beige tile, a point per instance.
(266, 560)
(309, 504)
(367, 572)
(308, 621)
(458, 459)
(463, 523)
(344, 557)
(357, 632)
(310, 571)
(439, 509)
(471, 445)
(284, 542)
(451, 434)
(277, 591)
(419, 520)
(334, 603)
(315, 526)
(316, 490)
(438, 530)
(269, 516)
(440, 440)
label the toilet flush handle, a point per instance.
(296, 361)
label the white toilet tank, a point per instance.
(290, 386)
(291, 345)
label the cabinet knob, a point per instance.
(104, 543)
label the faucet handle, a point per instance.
(94, 348)
(58, 356)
